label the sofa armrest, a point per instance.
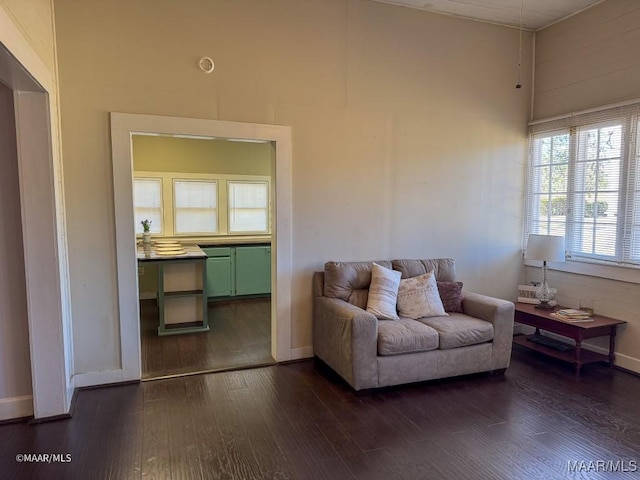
(500, 313)
(346, 338)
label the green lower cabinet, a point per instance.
(238, 271)
(219, 277)
(253, 270)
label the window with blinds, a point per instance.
(248, 207)
(202, 204)
(195, 206)
(583, 183)
(147, 198)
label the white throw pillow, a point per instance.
(383, 292)
(418, 297)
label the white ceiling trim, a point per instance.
(537, 14)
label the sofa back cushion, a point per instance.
(443, 268)
(349, 281)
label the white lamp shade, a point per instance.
(545, 247)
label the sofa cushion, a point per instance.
(383, 292)
(459, 330)
(443, 268)
(419, 297)
(349, 281)
(451, 296)
(405, 336)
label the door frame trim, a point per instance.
(43, 218)
(123, 126)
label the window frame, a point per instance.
(627, 211)
(529, 195)
(162, 223)
(619, 255)
(175, 208)
(267, 208)
(168, 202)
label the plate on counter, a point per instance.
(171, 252)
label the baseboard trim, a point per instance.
(625, 362)
(301, 353)
(15, 408)
(63, 416)
(101, 378)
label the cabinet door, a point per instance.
(253, 270)
(219, 277)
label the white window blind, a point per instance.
(147, 200)
(195, 206)
(584, 183)
(248, 207)
(596, 191)
(548, 191)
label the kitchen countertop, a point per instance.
(192, 251)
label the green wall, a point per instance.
(153, 153)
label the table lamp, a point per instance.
(547, 248)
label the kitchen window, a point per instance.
(197, 205)
(248, 207)
(147, 197)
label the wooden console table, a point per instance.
(579, 331)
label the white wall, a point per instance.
(589, 60)
(15, 363)
(408, 134)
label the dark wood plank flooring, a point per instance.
(299, 421)
(239, 336)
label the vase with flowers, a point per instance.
(146, 231)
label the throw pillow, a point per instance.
(451, 295)
(418, 297)
(383, 292)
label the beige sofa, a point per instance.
(371, 353)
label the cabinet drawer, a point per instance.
(217, 251)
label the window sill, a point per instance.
(622, 274)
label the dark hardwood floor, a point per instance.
(299, 421)
(239, 336)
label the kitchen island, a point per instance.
(182, 287)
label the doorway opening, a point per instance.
(214, 195)
(124, 127)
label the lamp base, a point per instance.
(544, 305)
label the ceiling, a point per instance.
(536, 14)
